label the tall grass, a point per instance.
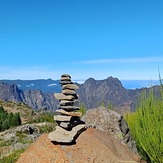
(146, 126)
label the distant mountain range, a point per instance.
(38, 94)
(45, 85)
(51, 86)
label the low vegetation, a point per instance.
(146, 126)
(13, 157)
(104, 104)
(45, 116)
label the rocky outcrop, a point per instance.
(92, 146)
(69, 124)
(33, 98)
(39, 100)
(21, 137)
(111, 123)
(11, 93)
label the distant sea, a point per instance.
(133, 84)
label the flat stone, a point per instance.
(70, 86)
(68, 92)
(72, 113)
(69, 103)
(66, 102)
(61, 96)
(65, 82)
(65, 125)
(70, 108)
(62, 118)
(65, 75)
(65, 78)
(61, 135)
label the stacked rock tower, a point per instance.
(68, 115)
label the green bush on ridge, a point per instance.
(146, 126)
(8, 120)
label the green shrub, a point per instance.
(146, 126)
(110, 106)
(83, 109)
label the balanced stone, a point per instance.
(61, 96)
(73, 113)
(66, 75)
(70, 103)
(65, 125)
(70, 108)
(61, 135)
(70, 86)
(66, 102)
(62, 118)
(65, 79)
(65, 82)
(68, 92)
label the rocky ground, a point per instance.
(106, 139)
(92, 146)
(22, 136)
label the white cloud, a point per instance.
(125, 60)
(50, 85)
(79, 81)
(30, 85)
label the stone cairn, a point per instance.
(69, 126)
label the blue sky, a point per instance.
(85, 38)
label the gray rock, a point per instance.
(72, 113)
(62, 118)
(65, 82)
(61, 96)
(65, 78)
(70, 86)
(111, 123)
(66, 102)
(70, 108)
(127, 138)
(104, 120)
(60, 135)
(66, 75)
(68, 92)
(65, 125)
